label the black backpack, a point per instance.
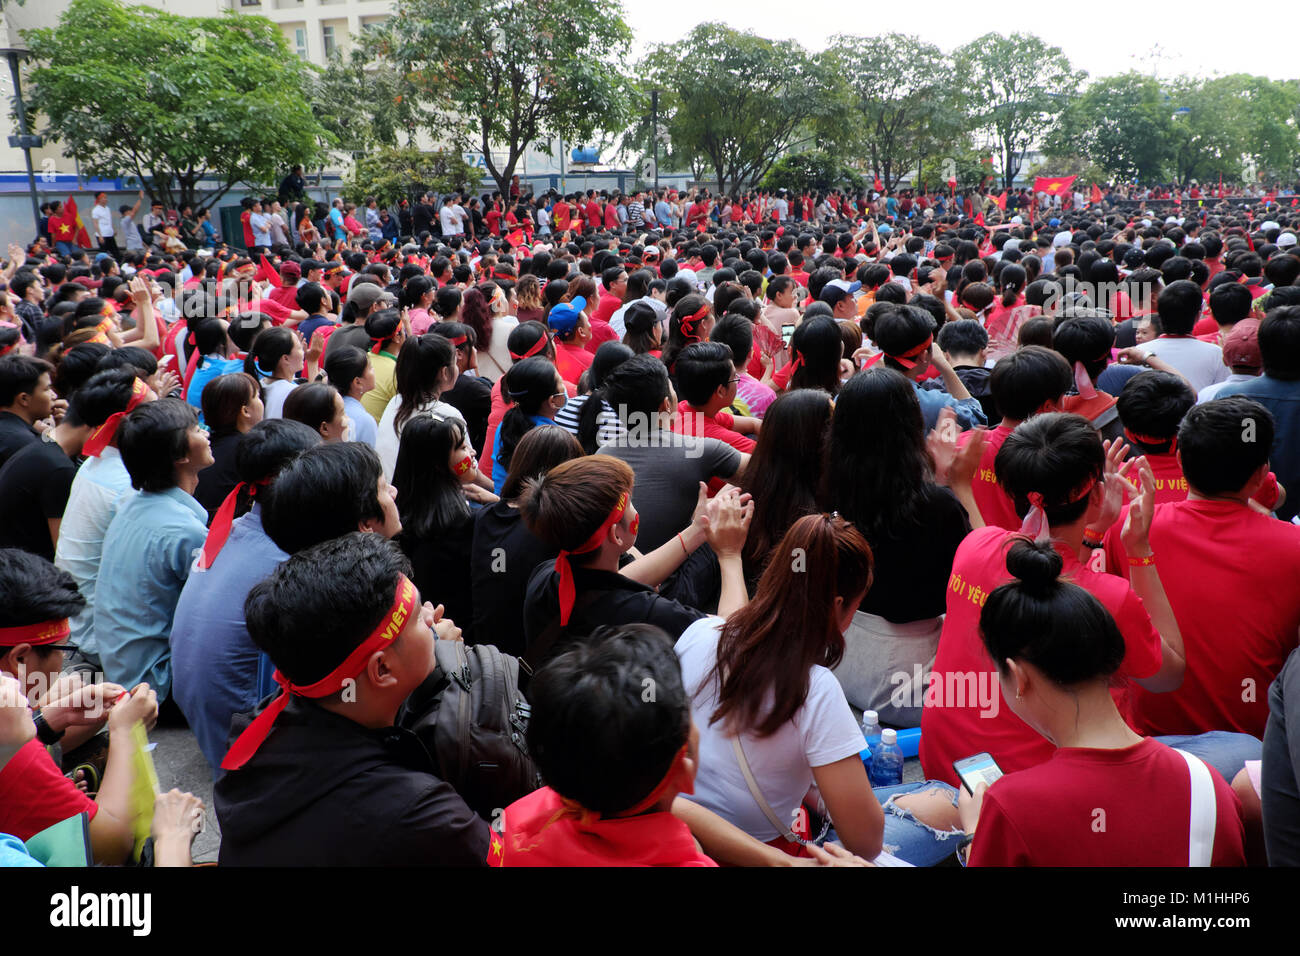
(471, 717)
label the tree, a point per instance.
(735, 102)
(811, 172)
(365, 100)
(896, 117)
(404, 172)
(172, 100)
(1125, 124)
(1018, 86)
(509, 72)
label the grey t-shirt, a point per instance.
(669, 468)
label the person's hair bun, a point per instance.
(1037, 565)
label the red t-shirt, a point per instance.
(605, 308)
(535, 834)
(1233, 580)
(1170, 483)
(493, 219)
(800, 277)
(601, 332)
(996, 507)
(611, 216)
(1089, 807)
(35, 796)
(1206, 329)
(964, 712)
(572, 360)
(595, 218)
(719, 426)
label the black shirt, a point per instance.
(440, 567)
(218, 479)
(324, 791)
(617, 600)
(15, 433)
(472, 397)
(502, 558)
(912, 566)
(422, 218)
(34, 486)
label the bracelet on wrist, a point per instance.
(682, 541)
(1142, 561)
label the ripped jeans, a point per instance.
(909, 839)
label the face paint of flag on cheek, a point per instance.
(465, 467)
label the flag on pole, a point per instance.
(979, 219)
(878, 186)
(1220, 185)
(1053, 185)
(1002, 201)
(1096, 194)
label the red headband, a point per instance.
(459, 340)
(1035, 526)
(101, 437)
(537, 347)
(392, 624)
(379, 343)
(42, 632)
(567, 590)
(584, 816)
(6, 349)
(907, 359)
(688, 324)
(1149, 439)
(222, 521)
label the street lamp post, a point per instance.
(24, 140)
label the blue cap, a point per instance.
(1053, 223)
(564, 317)
(883, 229)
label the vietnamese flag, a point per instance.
(73, 218)
(1002, 201)
(1096, 194)
(979, 219)
(878, 185)
(1053, 185)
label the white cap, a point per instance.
(889, 736)
(1062, 238)
(1017, 220)
(1286, 240)
(1267, 225)
(1172, 220)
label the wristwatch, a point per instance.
(44, 732)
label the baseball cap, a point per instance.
(1241, 347)
(366, 294)
(849, 287)
(564, 317)
(309, 265)
(833, 295)
(884, 229)
(1286, 240)
(1053, 223)
(291, 270)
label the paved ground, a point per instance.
(181, 764)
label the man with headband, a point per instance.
(321, 777)
(622, 815)
(905, 337)
(36, 600)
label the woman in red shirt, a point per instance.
(1108, 796)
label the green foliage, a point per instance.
(509, 73)
(902, 102)
(1018, 86)
(1124, 124)
(404, 172)
(735, 102)
(171, 99)
(811, 172)
(365, 100)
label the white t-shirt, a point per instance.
(389, 439)
(822, 732)
(451, 218)
(273, 395)
(103, 217)
(1201, 362)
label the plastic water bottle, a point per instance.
(871, 726)
(887, 761)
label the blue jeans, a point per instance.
(909, 839)
(1223, 750)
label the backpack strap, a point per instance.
(1204, 810)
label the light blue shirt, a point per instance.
(148, 551)
(217, 669)
(260, 223)
(336, 220)
(969, 411)
(499, 471)
(209, 368)
(101, 486)
(364, 427)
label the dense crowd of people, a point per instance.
(542, 530)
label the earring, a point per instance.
(1017, 695)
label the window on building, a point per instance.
(327, 33)
(300, 42)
